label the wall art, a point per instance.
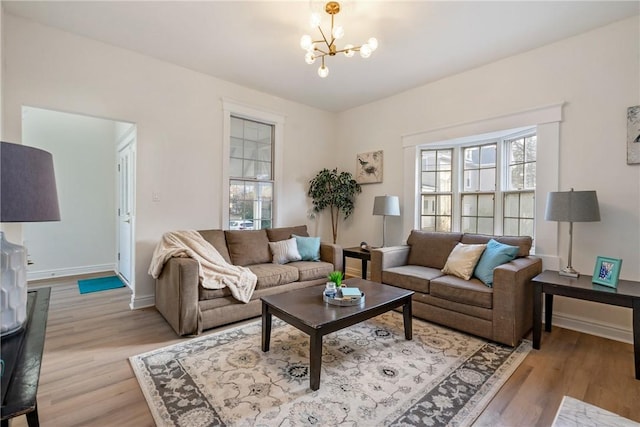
(369, 167)
(633, 135)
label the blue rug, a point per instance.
(99, 284)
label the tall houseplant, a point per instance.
(336, 191)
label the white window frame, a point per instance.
(237, 109)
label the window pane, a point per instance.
(516, 152)
(235, 167)
(444, 205)
(472, 157)
(443, 223)
(531, 148)
(264, 152)
(488, 155)
(485, 205)
(237, 127)
(444, 181)
(263, 170)
(511, 205)
(526, 227)
(248, 169)
(265, 209)
(530, 175)
(444, 159)
(471, 178)
(485, 226)
(526, 205)
(428, 223)
(510, 227)
(428, 205)
(236, 147)
(428, 160)
(250, 130)
(469, 205)
(264, 133)
(428, 182)
(469, 224)
(516, 177)
(250, 150)
(488, 179)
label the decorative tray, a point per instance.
(344, 301)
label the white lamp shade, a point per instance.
(386, 205)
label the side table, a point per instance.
(627, 294)
(359, 253)
(22, 355)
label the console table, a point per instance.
(359, 253)
(627, 294)
(22, 356)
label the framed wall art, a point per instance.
(369, 167)
(633, 135)
(607, 271)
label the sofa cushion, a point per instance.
(312, 270)
(463, 259)
(494, 255)
(413, 277)
(284, 251)
(274, 274)
(431, 249)
(472, 292)
(283, 233)
(308, 247)
(522, 242)
(247, 247)
(218, 241)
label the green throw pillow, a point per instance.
(494, 255)
(308, 247)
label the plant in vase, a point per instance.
(336, 277)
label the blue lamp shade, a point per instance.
(27, 194)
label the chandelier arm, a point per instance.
(355, 49)
(324, 37)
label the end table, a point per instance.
(359, 253)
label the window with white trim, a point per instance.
(485, 187)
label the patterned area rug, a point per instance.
(371, 376)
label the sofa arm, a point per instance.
(513, 299)
(330, 252)
(383, 258)
(177, 295)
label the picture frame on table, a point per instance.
(607, 271)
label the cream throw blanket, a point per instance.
(213, 270)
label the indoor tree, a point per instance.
(336, 191)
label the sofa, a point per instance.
(189, 308)
(500, 311)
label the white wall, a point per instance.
(178, 114)
(597, 75)
(84, 157)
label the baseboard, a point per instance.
(588, 326)
(353, 272)
(71, 271)
(138, 302)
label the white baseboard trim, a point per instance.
(588, 326)
(144, 301)
(70, 271)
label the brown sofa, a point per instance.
(189, 308)
(502, 313)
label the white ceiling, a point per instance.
(256, 43)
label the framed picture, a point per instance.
(633, 135)
(607, 271)
(369, 167)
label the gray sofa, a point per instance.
(502, 313)
(189, 308)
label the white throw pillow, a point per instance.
(284, 251)
(463, 259)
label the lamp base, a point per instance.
(569, 272)
(13, 292)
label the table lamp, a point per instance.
(386, 206)
(572, 206)
(27, 194)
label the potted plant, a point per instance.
(336, 277)
(336, 191)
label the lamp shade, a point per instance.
(572, 206)
(27, 185)
(386, 205)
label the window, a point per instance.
(250, 174)
(489, 190)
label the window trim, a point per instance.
(237, 109)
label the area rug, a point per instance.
(576, 413)
(371, 376)
(99, 284)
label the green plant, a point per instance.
(336, 191)
(336, 277)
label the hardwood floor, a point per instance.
(86, 379)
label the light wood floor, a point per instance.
(86, 379)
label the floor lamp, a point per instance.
(386, 206)
(572, 206)
(27, 194)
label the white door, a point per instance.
(126, 214)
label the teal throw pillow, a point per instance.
(495, 254)
(308, 247)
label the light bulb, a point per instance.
(310, 58)
(306, 42)
(337, 32)
(349, 52)
(365, 51)
(323, 71)
(314, 21)
(373, 43)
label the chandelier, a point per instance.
(337, 32)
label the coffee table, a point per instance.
(305, 310)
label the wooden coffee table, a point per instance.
(305, 310)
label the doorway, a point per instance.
(126, 204)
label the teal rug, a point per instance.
(99, 284)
